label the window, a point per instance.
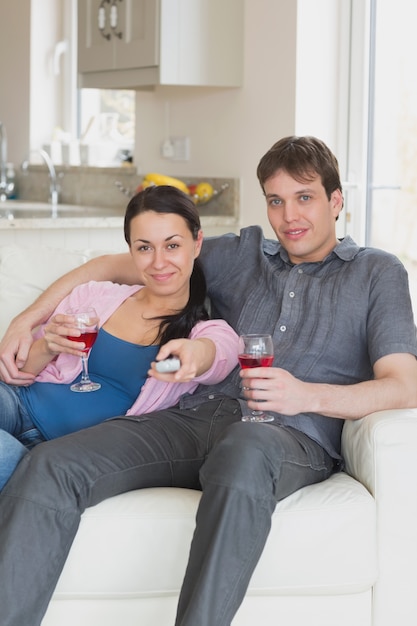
(106, 125)
(385, 118)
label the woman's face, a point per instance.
(163, 250)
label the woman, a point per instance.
(163, 315)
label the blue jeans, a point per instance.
(243, 468)
(18, 434)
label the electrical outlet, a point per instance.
(176, 148)
(167, 149)
(181, 148)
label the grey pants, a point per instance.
(243, 469)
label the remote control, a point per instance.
(169, 365)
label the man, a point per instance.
(343, 346)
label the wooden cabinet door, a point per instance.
(138, 23)
(95, 48)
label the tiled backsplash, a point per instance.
(93, 186)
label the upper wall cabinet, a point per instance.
(135, 44)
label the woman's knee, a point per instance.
(11, 453)
(9, 445)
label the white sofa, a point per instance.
(343, 552)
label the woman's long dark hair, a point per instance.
(166, 199)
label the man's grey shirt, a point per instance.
(330, 321)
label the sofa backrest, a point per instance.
(26, 271)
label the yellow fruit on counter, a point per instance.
(161, 179)
(204, 191)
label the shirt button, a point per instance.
(291, 294)
(211, 397)
(300, 271)
(283, 328)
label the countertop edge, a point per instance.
(95, 222)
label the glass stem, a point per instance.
(84, 376)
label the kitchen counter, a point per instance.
(74, 226)
(92, 208)
(16, 214)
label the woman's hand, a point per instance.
(54, 342)
(56, 336)
(196, 357)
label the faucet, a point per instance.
(3, 163)
(54, 188)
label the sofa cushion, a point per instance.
(322, 541)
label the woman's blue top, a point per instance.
(120, 366)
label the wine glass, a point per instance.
(86, 319)
(256, 351)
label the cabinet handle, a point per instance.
(114, 17)
(102, 19)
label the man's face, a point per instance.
(303, 218)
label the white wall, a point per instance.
(15, 74)
(28, 97)
(45, 28)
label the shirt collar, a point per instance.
(346, 250)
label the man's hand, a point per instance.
(273, 389)
(14, 350)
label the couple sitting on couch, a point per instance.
(334, 361)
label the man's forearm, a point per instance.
(17, 341)
(356, 401)
(394, 386)
(38, 358)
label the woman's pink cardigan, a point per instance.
(106, 297)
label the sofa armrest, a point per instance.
(380, 451)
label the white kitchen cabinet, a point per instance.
(144, 43)
(117, 34)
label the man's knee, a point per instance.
(240, 460)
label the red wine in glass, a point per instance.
(88, 337)
(256, 351)
(249, 360)
(86, 321)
